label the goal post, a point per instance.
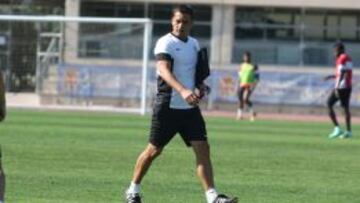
(82, 60)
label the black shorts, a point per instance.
(166, 122)
(241, 91)
(343, 95)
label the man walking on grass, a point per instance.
(176, 107)
(341, 91)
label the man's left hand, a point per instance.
(203, 90)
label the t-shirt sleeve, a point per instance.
(345, 63)
(256, 72)
(197, 45)
(162, 50)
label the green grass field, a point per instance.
(68, 157)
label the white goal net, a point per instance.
(79, 61)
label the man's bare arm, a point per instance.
(329, 77)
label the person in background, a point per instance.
(342, 91)
(248, 79)
(2, 117)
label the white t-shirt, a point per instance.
(183, 55)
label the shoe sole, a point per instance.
(234, 200)
(334, 136)
(345, 137)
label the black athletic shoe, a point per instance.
(225, 199)
(133, 198)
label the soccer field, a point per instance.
(72, 157)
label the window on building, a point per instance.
(249, 32)
(159, 13)
(323, 28)
(130, 11)
(261, 23)
(293, 36)
(93, 9)
(314, 25)
(277, 28)
(109, 9)
(348, 27)
(332, 32)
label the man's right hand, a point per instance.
(329, 77)
(190, 97)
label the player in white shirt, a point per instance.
(176, 107)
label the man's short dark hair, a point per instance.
(340, 47)
(248, 54)
(184, 9)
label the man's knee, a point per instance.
(330, 106)
(201, 149)
(346, 110)
(249, 103)
(152, 151)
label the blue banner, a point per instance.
(275, 87)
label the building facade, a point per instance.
(278, 33)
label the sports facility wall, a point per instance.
(105, 61)
(280, 87)
(91, 84)
(122, 84)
